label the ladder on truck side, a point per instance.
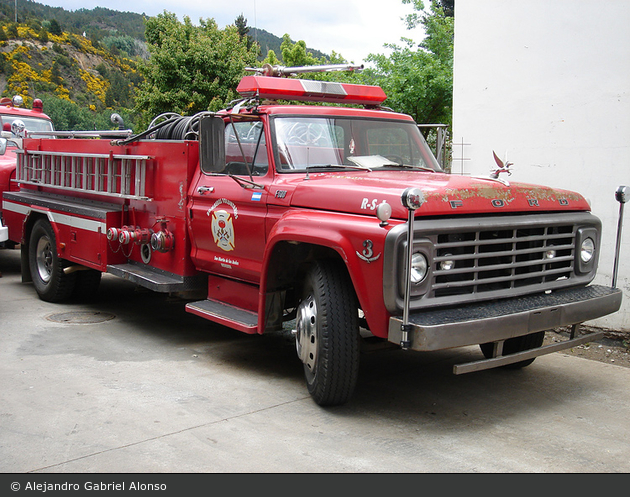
(122, 176)
(109, 176)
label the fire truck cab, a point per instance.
(14, 120)
(334, 221)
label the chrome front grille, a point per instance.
(501, 259)
(472, 259)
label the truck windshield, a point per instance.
(32, 124)
(306, 142)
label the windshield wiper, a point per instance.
(409, 166)
(336, 166)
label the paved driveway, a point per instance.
(133, 384)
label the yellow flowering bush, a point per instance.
(63, 93)
(95, 85)
(34, 69)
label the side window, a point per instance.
(395, 143)
(389, 142)
(245, 146)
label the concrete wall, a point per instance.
(545, 84)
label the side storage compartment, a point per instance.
(64, 243)
(112, 208)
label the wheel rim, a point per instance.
(44, 258)
(306, 333)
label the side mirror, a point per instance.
(3, 146)
(212, 144)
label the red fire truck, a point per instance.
(334, 219)
(14, 119)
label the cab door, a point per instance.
(229, 205)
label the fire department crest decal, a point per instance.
(223, 224)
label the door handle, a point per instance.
(205, 189)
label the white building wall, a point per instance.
(545, 84)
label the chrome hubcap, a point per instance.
(44, 259)
(306, 333)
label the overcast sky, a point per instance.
(352, 28)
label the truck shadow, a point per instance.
(9, 262)
(413, 388)
(420, 387)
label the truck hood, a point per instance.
(360, 192)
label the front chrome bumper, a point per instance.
(498, 320)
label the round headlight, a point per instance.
(418, 268)
(587, 250)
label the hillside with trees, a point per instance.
(79, 82)
(124, 31)
(87, 64)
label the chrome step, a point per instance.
(225, 314)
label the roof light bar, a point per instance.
(310, 91)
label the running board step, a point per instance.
(156, 279)
(225, 314)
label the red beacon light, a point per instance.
(272, 87)
(38, 105)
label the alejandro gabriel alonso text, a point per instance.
(88, 485)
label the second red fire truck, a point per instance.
(14, 119)
(336, 219)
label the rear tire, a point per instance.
(327, 334)
(51, 283)
(516, 344)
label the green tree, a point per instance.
(243, 31)
(190, 68)
(271, 58)
(448, 6)
(297, 55)
(120, 43)
(55, 28)
(419, 16)
(12, 31)
(34, 24)
(118, 94)
(241, 25)
(418, 79)
(68, 116)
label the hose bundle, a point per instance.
(169, 126)
(181, 128)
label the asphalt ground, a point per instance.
(130, 383)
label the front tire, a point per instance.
(327, 333)
(516, 344)
(51, 283)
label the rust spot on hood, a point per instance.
(506, 193)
